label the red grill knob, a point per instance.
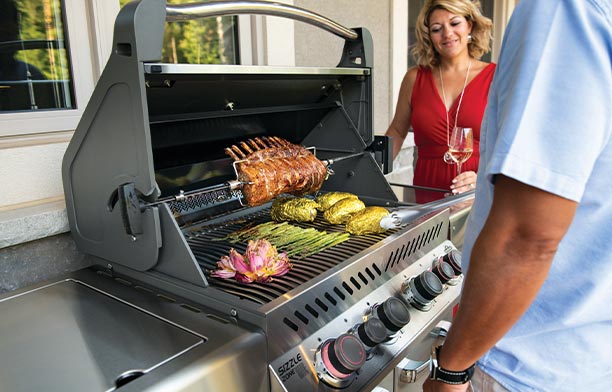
(454, 259)
(343, 355)
(443, 271)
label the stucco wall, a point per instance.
(33, 172)
(316, 47)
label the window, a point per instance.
(211, 40)
(79, 24)
(35, 70)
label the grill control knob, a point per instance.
(421, 290)
(454, 259)
(443, 271)
(372, 332)
(343, 355)
(393, 314)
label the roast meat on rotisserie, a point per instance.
(271, 166)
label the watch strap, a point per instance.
(448, 376)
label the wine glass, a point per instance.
(460, 146)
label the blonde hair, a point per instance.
(424, 52)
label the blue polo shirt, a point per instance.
(548, 124)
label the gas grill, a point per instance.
(152, 197)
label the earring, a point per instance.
(469, 38)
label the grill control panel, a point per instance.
(353, 351)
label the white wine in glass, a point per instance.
(460, 146)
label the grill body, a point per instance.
(145, 179)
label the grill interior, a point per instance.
(208, 249)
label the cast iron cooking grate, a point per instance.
(208, 249)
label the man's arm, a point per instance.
(508, 265)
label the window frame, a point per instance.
(88, 46)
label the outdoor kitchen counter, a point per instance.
(91, 331)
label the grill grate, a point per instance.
(207, 249)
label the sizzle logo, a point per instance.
(287, 369)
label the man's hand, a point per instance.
(437, 386)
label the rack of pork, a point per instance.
(268, 167)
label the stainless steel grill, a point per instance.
(151, 196)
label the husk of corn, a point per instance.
(342, 210)
(329, 199)
(367, 221)
(295, 209)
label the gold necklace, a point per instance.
(447, 156)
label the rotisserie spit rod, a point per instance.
(271, 166)
(266, 168)
(272, 176)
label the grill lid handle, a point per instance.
(178, 12)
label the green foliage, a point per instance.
(200, 41)
(42, 20)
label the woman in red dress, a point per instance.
(448, 87)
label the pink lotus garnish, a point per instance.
(260, 263)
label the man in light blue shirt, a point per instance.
(536, 310)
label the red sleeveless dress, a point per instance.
(430, 133)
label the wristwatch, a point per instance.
(447, 376)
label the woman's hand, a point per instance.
(464, 182)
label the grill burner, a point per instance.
(207, 247)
